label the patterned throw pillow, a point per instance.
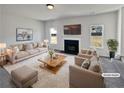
(96, 68)
(89, 52)
(85, 64)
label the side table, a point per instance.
(2, 59)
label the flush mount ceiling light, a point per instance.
(50, 6)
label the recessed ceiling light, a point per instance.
(50, 6)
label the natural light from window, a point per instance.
(53, 36)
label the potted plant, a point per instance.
(51, 52)
(112, 45)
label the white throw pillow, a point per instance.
(40, 45)
(16, 49)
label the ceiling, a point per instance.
(40, 11)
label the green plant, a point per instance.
(51, 52)
(112, 45)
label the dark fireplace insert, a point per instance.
(71, 46)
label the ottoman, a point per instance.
(24, 76)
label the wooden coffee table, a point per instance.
(52, 64)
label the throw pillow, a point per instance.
(85, 64)
(89, 52)
(15, 49)
(40, 44)
(44, 45)
(84, 51)
(28, 46)
(21, 47)
(35, 44)
(96, 68)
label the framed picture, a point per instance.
(96, 36)
(24, 34)
(74, 29)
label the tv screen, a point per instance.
(72, 29)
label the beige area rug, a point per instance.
(46, 79)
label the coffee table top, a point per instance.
(52, 62)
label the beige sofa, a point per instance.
(90, 77)
(25, 51)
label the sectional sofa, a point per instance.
(20, 52)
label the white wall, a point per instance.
(11, 21)
(1, 24)
(122, 33)
(109, 20)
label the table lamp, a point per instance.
(46, 41)
(2, 47)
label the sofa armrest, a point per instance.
(79, 60)
(82, 78)
(10, 55)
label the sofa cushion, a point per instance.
(35, 45)
(94, 64)
(42, 49)
(89, 52)
(20, 46)
(33, 51)
(79, 60)
(16, 50)
(21, 54)
(28, 46)
(85, 56)
(44, 45)
(85, 64)
(96, 68)
(84, 51)
(40, 44)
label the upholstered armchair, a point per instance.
(82, 78)
(85, 54)
(79, 60)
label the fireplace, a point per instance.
(71, 46)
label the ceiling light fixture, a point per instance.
(50, 6)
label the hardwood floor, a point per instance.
(5, 79)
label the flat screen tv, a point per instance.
(72, 29)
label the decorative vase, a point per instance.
(51, 57)
(112, 54)
(51, 53)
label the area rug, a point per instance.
(46, 79)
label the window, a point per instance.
(96, 36)
(53, 36)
